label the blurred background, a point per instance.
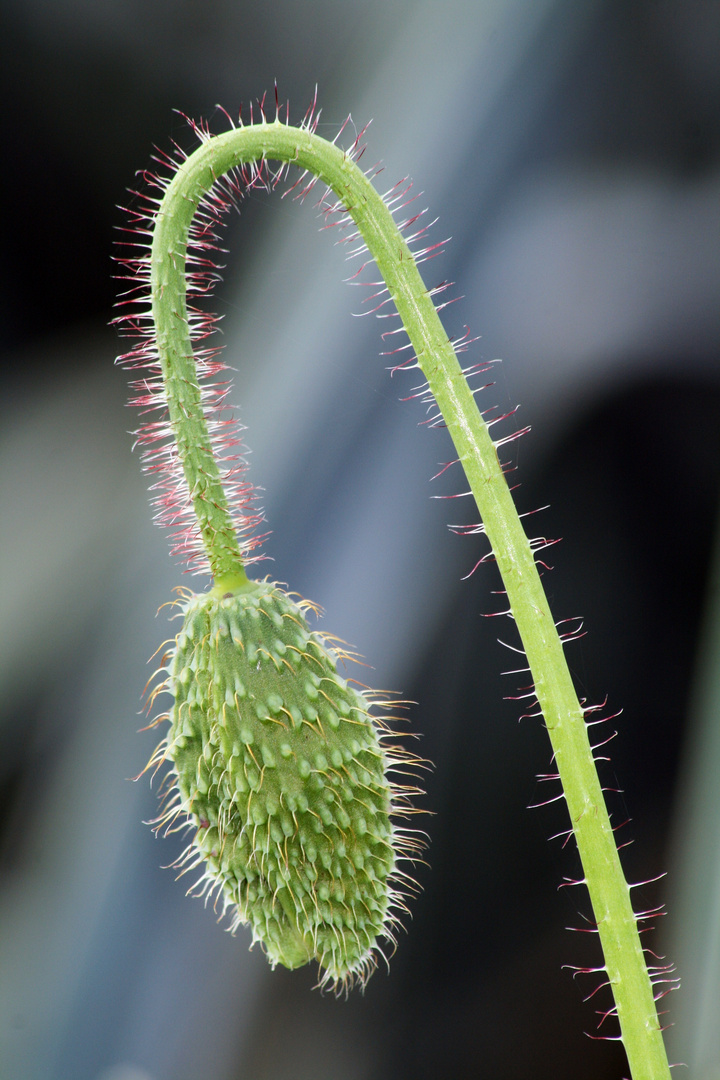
(571, 151)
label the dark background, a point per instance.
(571, 150)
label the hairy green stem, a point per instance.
(174, 345)
(564, 716)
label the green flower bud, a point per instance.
(282, 772)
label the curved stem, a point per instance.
(184, 397)
(564, 716)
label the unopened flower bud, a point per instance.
(281, 770)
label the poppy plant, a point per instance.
(277, 764)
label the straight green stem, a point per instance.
(563, 714)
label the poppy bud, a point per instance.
(280, 769)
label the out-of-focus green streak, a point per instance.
(693, 940)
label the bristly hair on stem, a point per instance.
(193, 482)
(174, 493)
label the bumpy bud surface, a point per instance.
(279, 767)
